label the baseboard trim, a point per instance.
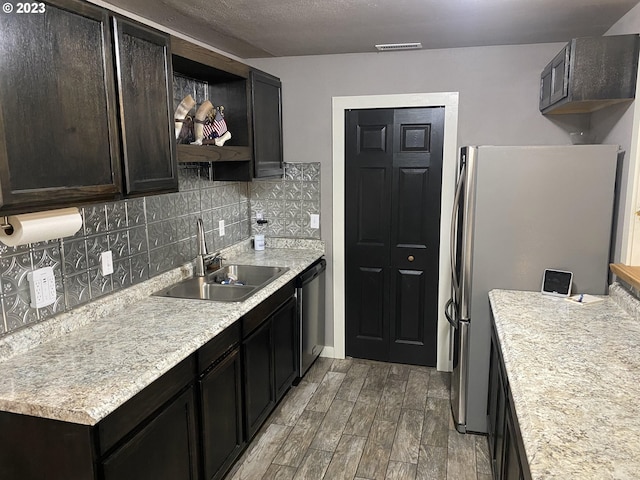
(329, 352)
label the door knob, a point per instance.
(411, 258)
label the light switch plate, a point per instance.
(106, 263)
(259, 216)
(42, 287)
(221, 227)
(315, 220)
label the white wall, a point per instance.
(619, 125)
(498, 89)
(498, 101)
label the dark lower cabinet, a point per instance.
(269, 357)
(153, 436)
(34, 448)
(190, 424)
(512, 461)
(258, 378)
(221, 404)
(497, 409)
(284, 347)
(506, 452)
(165, 449)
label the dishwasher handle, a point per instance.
(312, 272)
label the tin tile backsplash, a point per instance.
(151, 235)
(288, 203)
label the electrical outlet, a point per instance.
(42, 287)
(221, 227)
(315, 220)
(106, 263)
(259, 216)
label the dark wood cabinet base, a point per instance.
(191, 423)
(506, 450)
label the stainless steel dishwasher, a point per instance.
(310, 292)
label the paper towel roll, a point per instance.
(40, 226)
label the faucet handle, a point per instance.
(213, 260)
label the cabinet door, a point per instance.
(500, 426)
(259, 395)
(285, 346)
(512, 462)
(560, 75)
(165, 449)
(266, 103)
(554, 80)
(493, 402)
(58, 124)
(221, 400)
(40, 448)
(144, 72)
(545, 86)
(496, 410)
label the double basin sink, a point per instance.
(231, 283)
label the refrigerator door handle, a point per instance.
(451, 316)
(452, 241)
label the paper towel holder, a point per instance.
(23, 229)
(6, 226)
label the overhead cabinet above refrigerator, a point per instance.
(590, 73)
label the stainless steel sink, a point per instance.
(248, 280)
(247, 274)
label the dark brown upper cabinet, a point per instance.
(58, 121)
(590, 73)
(266, 103)
(253, 112)
(143, 67)
(222, 81)
(72, 128)
(554, 80)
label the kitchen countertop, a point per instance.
(573, 374)
(106, 352)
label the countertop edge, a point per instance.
(556, 382)
(91, 415)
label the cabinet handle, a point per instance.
(411, 258)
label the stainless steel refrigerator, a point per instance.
(517, 211)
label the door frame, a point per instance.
(449, 100)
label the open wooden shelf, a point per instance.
(211, 153)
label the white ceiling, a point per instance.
(265, 28)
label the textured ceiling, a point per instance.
(264, 28)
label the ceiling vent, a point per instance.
(399, 46)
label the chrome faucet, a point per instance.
(202, 250)
(204, 259)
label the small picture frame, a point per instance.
(557, 282)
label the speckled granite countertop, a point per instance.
(105, 352)
(574, 373)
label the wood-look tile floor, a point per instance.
(363, 420)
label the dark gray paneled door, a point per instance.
(393, 182)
